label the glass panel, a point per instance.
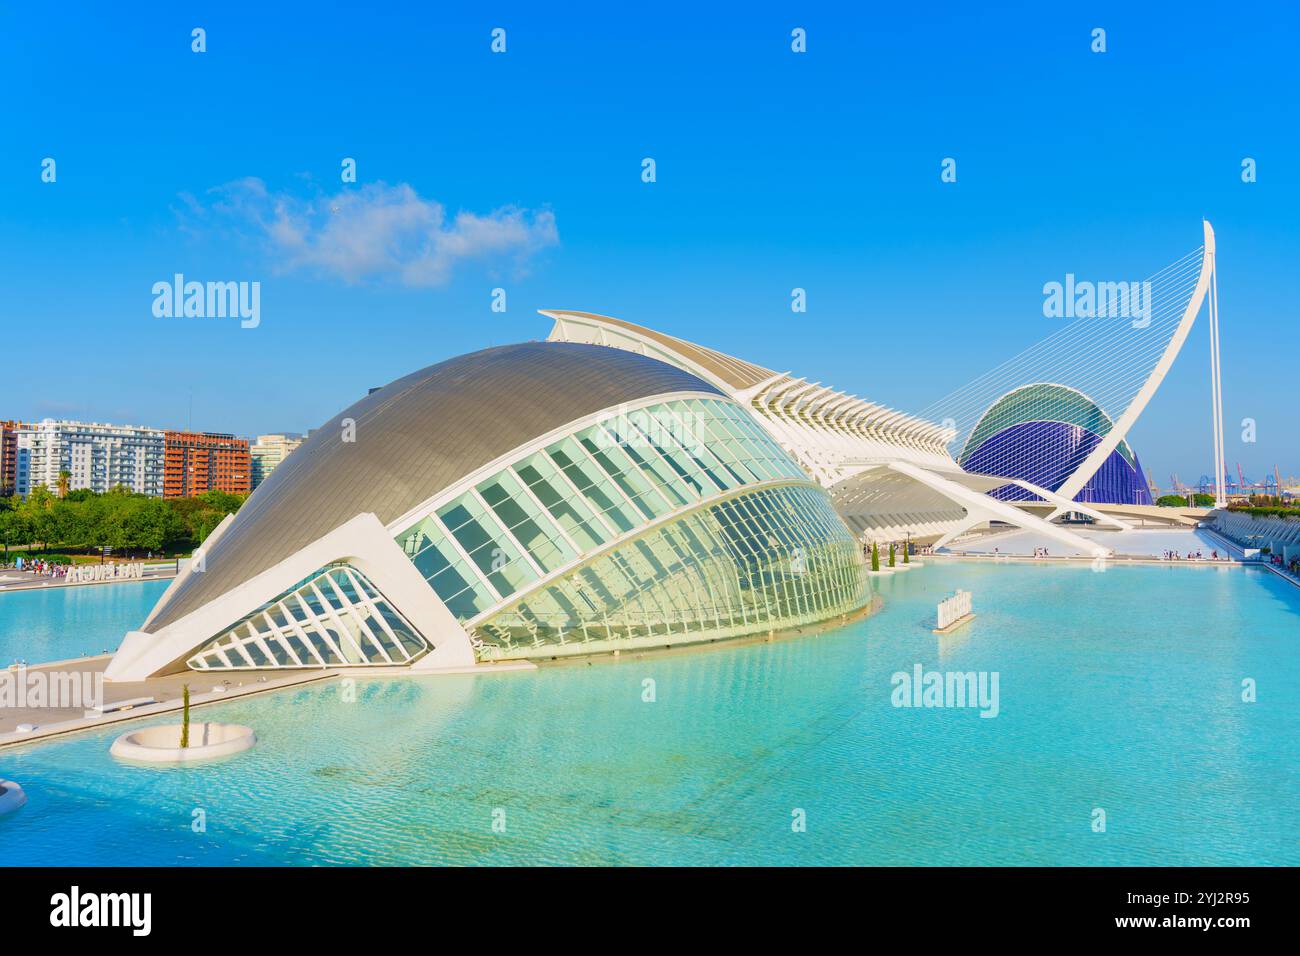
(572, 512)
(350, 607)
(525, 521)
(628, 477)
(634, 444)
(598, 491)
(765, 560)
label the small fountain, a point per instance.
(174, 743)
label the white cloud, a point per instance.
(376, 231)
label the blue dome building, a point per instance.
(1041, 433)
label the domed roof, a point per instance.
(1039, 402)
(414, 438)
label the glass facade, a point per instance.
(335, 618)
(560, 503)
(765, 560)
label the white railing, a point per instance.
(954, 608)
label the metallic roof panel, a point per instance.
(414, 438)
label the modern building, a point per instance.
(1041, 433)
(8, 458)
(1058, 414)
(889, 473)
(206, 461)
(96, 455)
(618, 488)
(269, 451)
(527, 501)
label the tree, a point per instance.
(119, 519)
(1171, 501)
(222, 501)
(38, 514)
(13, 528)
(875, 557)
(65, 482)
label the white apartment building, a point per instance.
(96, 455)
(268, 451)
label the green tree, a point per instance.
(875, 557)
(13, 529)
(38, 514)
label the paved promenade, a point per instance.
(49, 721)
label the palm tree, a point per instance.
(65, 480)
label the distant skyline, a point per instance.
(522, 171)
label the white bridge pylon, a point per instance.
(1115, 354)
(1074, 484)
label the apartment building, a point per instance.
(8, 458)
(196, 462)
(96, 455)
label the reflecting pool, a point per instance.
(56, 623)
(1119, 691)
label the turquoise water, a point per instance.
(56, 623)
(1118, 690)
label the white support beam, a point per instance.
(983, 508)
(1064, 505)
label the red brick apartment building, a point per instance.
(8, 458)
(195, 462)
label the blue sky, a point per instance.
(775, 170)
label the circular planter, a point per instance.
(11, 797)
(163, 744)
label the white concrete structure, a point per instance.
(162, 744)
(1280, 535)
(116, 571)
(953, 609)
(611, 488)
(529, 501)
(98, 456)
(12, 797)
(1116, 361)
(888, 473)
